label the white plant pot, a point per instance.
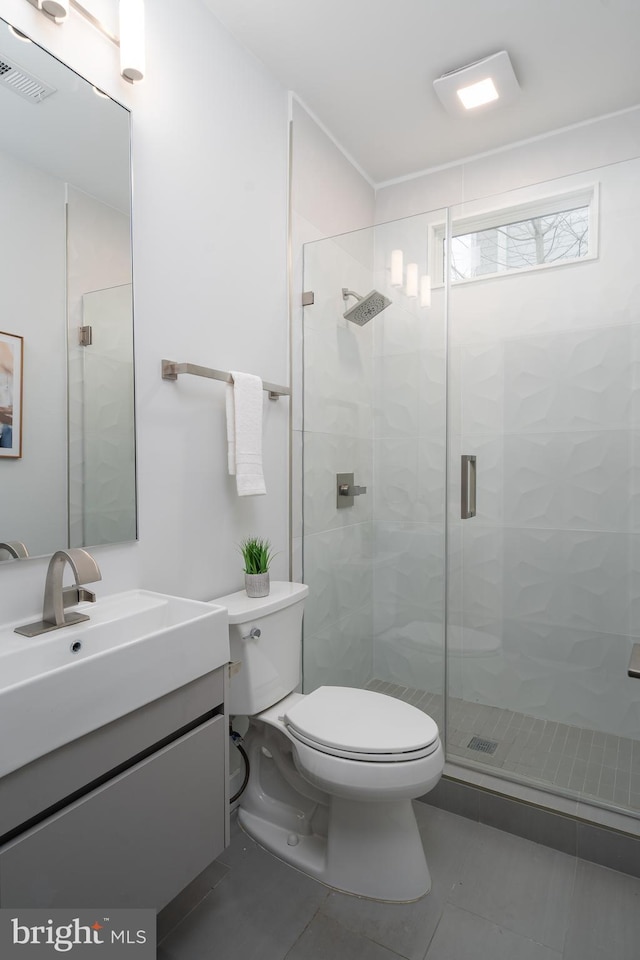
(257, 584)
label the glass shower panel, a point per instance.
(108, 475)
(374, 418)
(544, 585)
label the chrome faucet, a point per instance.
(57, 597)
(15, 548)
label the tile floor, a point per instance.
(494, 897)
(585, 762)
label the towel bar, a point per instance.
(172, 370)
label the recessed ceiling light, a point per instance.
(485, 84)
(484, 91)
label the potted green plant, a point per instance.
(257, 555)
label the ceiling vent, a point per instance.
(13, 77)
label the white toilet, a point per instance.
(333, 772)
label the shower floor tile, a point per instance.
(591, 764)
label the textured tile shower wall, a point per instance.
(545, 382)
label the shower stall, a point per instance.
(471, 477)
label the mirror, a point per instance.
(67, 438)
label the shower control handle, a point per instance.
(346, 490)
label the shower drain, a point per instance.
(483, 745)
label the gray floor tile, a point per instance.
(494, 896)
(596, 754)
(519, 885)
(186, 901)
(605, 915)
(326, 939)
(625, 753)
(408, 928)
(257, 912)
(464, 936)
(240, 848)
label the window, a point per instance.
(549, 232)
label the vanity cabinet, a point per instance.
(126, 816)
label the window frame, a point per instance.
(587, 196)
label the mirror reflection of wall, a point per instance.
(65, 257)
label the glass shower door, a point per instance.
(544, 585)
(374, 418)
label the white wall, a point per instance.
(32, 305)
(581, 147)
(209, 223)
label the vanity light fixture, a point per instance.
(58, 9)
(132, 45)
(481, 85)
(132, 38)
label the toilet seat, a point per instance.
(361, 725)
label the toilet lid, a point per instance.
(361, 722)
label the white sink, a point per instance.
(136, 647)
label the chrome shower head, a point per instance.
(366, 308)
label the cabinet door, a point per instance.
(138, 840)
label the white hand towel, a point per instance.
(231, 429)
(245, 398)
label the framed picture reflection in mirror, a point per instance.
(11, 351)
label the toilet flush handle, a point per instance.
(254, 634)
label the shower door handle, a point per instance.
(634, 663)
(467, 486)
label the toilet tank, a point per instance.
(271, 662)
